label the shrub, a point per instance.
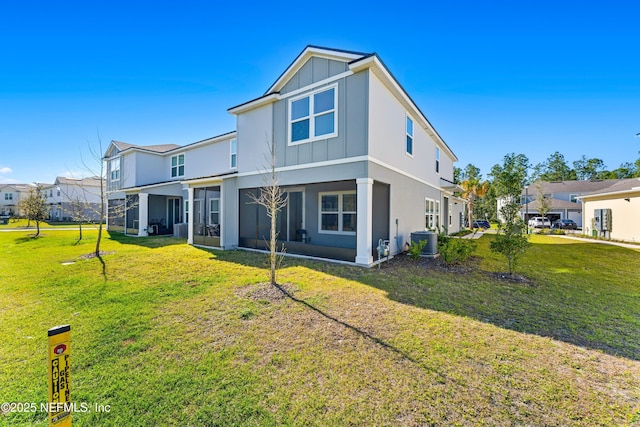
(455, 251)
(415, 249)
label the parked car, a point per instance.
(481, 223)
(539, 222)
(564, 224)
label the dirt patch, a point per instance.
(93, 254)
(266, 292)
(512, 278)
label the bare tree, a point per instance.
(273, 199)
(97, 169)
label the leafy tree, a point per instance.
(588, 169)
(473, 189)
(555, 168)
(34, 206)
(509, 179)
(471, 172)
(457, 172)
(544, 202)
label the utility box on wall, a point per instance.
(602, 219)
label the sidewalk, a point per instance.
(605, 242)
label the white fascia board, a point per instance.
(304, 57)
(612, 193)
(144, 187)
(251, 105)
(215, 139)
(212, 180)
(374, 64)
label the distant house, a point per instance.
(564, 197)
(356, 157)
(623, 200)
(70, 198)
(10, 196)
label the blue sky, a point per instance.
(492, 77)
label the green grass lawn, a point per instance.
(171, 335)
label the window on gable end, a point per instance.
(409, 131)
(313, 116)
(437, 160)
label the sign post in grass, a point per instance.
(59, 357)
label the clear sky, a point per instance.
(493, 77)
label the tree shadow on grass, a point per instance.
(582, 294)
(583, 302)
(147, 242)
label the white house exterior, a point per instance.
(357, 158)
(10, 196)
(71, 199)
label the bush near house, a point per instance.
(169, 334)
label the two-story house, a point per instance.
(71, 199)
(10, 196)
(356, 157)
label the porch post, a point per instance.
(365, 221)
(190, 219)
(143, 214)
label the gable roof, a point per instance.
(357, 61)
(303, 57)
(555, 204)
(620, 187)
(577, 187)
(164, 148)
(93, 181)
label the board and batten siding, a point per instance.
(313, 71)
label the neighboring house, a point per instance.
(623, 200)
(564, 198)
(10, 196)
(356, 157)
(69, 198)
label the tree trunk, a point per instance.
(99, 238)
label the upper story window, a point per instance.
(58, 192)
(437, 160)
(177, 165)
(8, 196)
(573, 198)
(114, 169)
(234, 154)
(313, 116)
(409, 146)
(338, 212)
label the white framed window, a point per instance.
(572, 197)
(437, 160)
(214, 211)
(186, 211)
(233, 150)
(432, 214)
(409, 132)
(114, 169)
(337, 213)
(314, 116)
(177, 165)
(8, 196)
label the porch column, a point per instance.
(190, 214)
(143, 214)
(221, 215)
(365, 221)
